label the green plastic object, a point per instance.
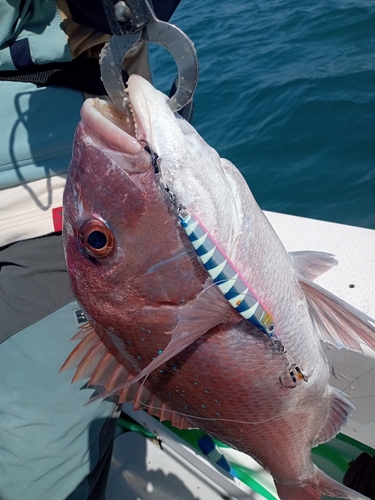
(333, 457)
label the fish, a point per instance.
(162, 331)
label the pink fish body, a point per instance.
(162, 335)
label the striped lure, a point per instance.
(233, 286)
(225, 275)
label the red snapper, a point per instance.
(161, 334)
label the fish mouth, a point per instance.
(118, 129)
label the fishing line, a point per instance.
(276, 415)
(207, 286)
(212, 284)
(358, 396)
(215, 419)
(358, 378)
(250, 422)
(246, 422)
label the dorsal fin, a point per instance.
(311, 264)
(92, 360)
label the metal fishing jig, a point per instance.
(228, 279)
(224, 274)
(232, 285)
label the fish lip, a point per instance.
(115, 128)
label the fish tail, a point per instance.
(320, 484)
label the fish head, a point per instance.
(123, 245)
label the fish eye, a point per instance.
(96, 239)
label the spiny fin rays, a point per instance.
(92, 360)
(203, 313)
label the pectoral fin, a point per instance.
(336, 321)
(203, 313)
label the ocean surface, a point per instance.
(287, 92)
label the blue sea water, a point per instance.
(287, 92)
